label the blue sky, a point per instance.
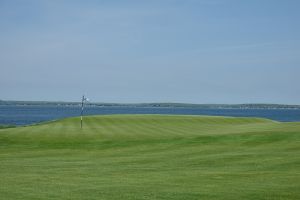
(194, 51)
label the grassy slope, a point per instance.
(151, 157)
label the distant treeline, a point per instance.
(167, 105)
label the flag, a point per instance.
(85, 98)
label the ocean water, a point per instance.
(25, 115)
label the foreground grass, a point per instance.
(151, 157)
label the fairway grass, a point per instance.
(151, 157)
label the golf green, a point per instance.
(151, 157)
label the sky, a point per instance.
(130, 51)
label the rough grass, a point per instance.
(151, 157)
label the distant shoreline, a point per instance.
(152, 105)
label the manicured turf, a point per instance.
(151, 157)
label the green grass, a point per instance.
(6, 126)
(151, 157)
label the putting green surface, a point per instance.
(151, 157)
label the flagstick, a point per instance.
(84, 99)
(81, 111)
